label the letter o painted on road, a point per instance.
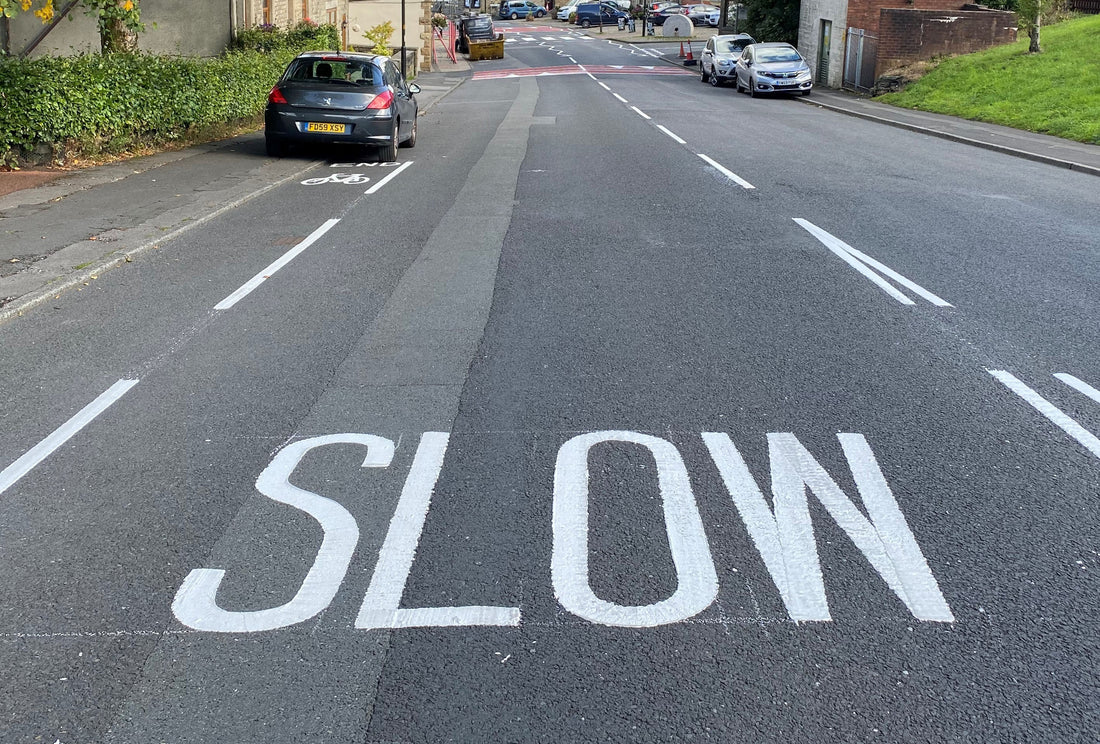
(697, 582)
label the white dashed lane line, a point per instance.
(62, 434)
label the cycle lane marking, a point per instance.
(246, 288)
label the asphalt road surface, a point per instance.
(621, 409)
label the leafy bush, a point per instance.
(379, 36)
(91, 103)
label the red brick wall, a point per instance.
(910, 35)
(865, 13)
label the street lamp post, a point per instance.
(403, 40)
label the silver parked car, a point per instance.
(719, 57)
(341, 97)
(773, 68)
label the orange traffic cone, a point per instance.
(690, 59)
(681, 50)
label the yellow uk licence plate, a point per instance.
(317, 126)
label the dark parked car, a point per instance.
(473, 28)
(593, 14)
(340, 97)
(659, 17)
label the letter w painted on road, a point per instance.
(786, 540)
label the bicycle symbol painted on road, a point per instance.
(350, 179)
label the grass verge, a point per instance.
(1056, 92)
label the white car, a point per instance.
(712, 17)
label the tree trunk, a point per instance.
(115, 36)
(5, 36)
(1033, 47)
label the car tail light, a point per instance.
(382, 100)
(276, 96)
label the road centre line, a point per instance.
(62, 434)
(1079, 385)
(279, 263)
(641, 113)
(393, 174)
(863, 263)
(1086, 438)
(726, 172)
(672, 135)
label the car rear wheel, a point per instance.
(514, 15)
(540, 14)
(586, 23)
(411, 141)
(276, 148)
(388, 152)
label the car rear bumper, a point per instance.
(359, 128)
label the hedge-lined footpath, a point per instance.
(109, 103)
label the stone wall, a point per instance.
(906, 36)
(196, 28)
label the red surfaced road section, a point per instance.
(577, 70)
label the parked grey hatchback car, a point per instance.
(341, 97)
(720, 55)
(773, 68)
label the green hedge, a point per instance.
(94, 102)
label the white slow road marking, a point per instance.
(378, 186)
(641, 113)
(866, 265)
(726, 172)
(672, 135)
(282, 261)
(1079, 385)
(380, 605)
(1086, 438)
(619, 97)
(62, 434)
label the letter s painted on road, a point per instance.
(195, 604)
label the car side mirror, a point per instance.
(414, 88)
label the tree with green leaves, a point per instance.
(118, 21)
(772, 20)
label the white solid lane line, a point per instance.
(727, 172)
(619, 97)
(603, 85)
(1086, 438)
(282, 261)
(62, 434)
(393, 174)
(1079, 385)
(863, 263)
(640, 113)
(671, 134)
